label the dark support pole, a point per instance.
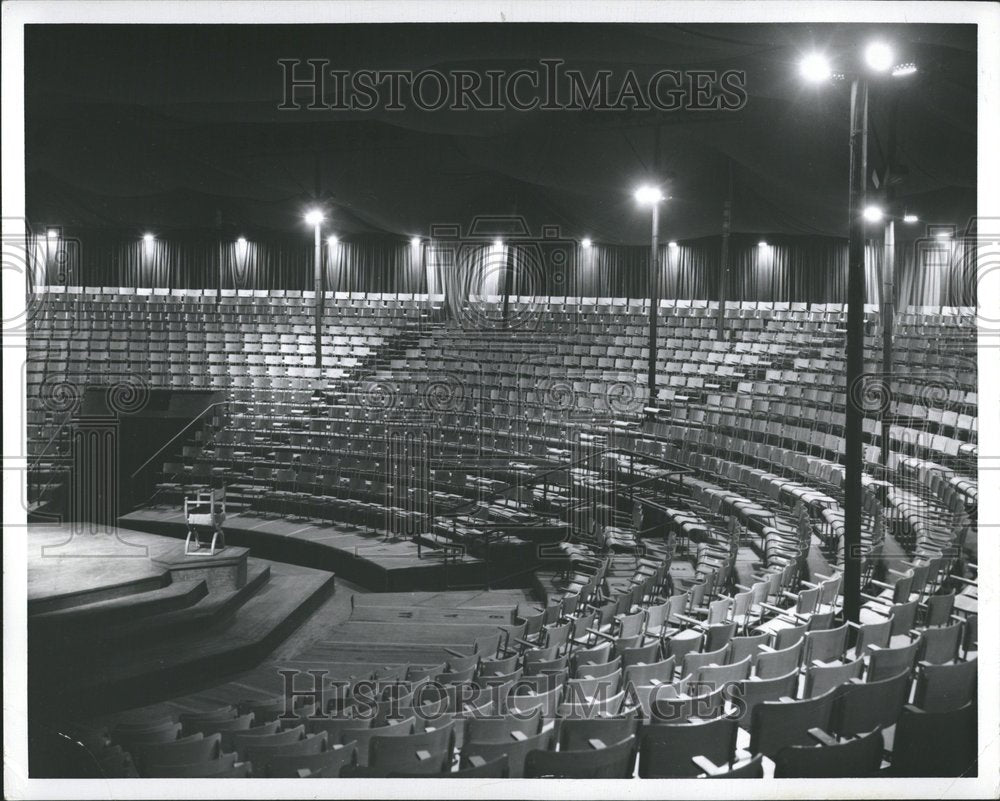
(508, 283)
(886, 296)
(318, 301)
(727, 213)
(654, 302)
(218, 225)
(886, 313)
(855, 351)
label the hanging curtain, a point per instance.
(929, 272)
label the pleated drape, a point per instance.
(929, 272)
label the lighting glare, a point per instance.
(648, 194)
(415, 241)
(873, 213)
(762, 244)
(53, 233)
(879, 56)
(242, 241)
(148, 238)
(586, 242)
(910, 218)
(943, 234)
(815, 68)
(498, 243)
(332, 240)
(672, 244)
(904, 69)
(314, 217)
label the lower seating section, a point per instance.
(620, 679)
(691, 545)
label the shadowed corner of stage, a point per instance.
(117, 439)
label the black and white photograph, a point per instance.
(510, 393)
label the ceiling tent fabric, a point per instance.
(132, 127)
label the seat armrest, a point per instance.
(706, 765)
(822, 737)
(597, 744)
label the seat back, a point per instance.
(883, 663)
(665, 751)
(328, 763)
(742, 647)
(943, 688)
(185, 751)
(595, 671)
(196, 770)
(503, 729)
(935, 743)
(875, 633)
(825, 644)
(515, 750)
(861, 706)
(823, 678)
(310, 744)
(575, 735)
(851, 759)
(715, 676)
(771, 664)
(428, 752)
(363, 735)
(662, 672)
(611, 762)
(694, 661)
(775, 724)
(939, 645)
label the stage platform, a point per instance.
(365, 557)
(346, 636)
(120, 617)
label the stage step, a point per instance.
(152, 580)
(424, 614)
(369, 652)
(104, 679)
(212, 609)
(174, 596)
(412, 632)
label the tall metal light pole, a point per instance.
(815, 67)
(853, 432)
(651, 196)
(315, 218)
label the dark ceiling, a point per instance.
(178, 127)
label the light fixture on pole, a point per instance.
(651, 196)
(878, 57)
(314, 217)
(586, 243)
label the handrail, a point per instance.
(178, 434)
(66, 420)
